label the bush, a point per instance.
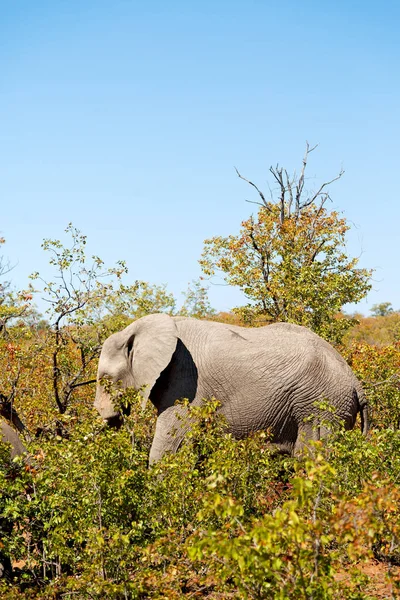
(378, 368)
(222, 518)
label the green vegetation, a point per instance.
(221, 519)
(382, 310)
(377, 331)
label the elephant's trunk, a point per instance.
(104, 404)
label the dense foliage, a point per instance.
(220, 519)
(376, 331)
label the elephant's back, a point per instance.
(273, 345)
(297, 340)
(280, 353)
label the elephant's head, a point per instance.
(135, 357)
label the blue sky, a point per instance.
(127, 118)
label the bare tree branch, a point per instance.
(292, 189)
(320, 191)
(300, 183)
(264, 202)
(289, 185)
(83, 383)
(278, 174)
(253, 202)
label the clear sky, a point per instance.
(127, 119)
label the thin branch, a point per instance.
(264, 202)
(278, 174)
(322, 187)
(75, 385)
(391, 379)
(290, 190)
(71, 385)
(300, 183)
(317, 251)
(253, 202)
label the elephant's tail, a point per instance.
(363, 408)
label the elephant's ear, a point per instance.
(151, 348)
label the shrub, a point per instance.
(221, 518)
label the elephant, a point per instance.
(8, 435)
(266, 378)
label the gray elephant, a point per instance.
(265, 378)
(8, 435)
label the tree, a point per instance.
(76, 297)
(382, 310)
(196, 302)
(140, 299)
(16, 311)
(13, 305)
(290, 259)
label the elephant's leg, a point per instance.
(281, 448)
(309, 432)
(171, 427)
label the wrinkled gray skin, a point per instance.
(8, 434)
(267, 377)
